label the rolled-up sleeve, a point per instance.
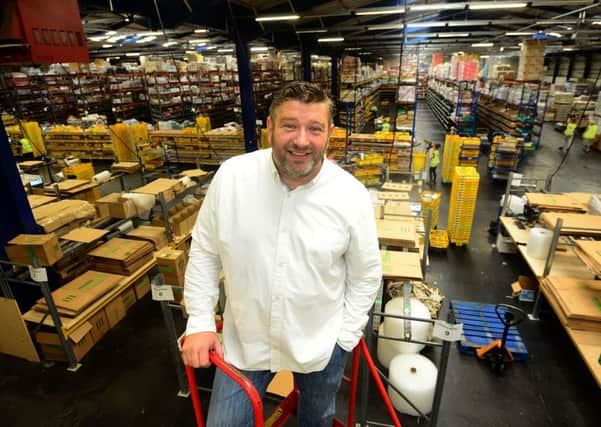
(364, 272)
(201, 287)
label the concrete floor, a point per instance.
(128, 379)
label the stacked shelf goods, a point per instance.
(469, 152)
(397, 155)
(337, 145)
(504, 156)
(220, 144)
(453, 103)
(462, 205)
(367, 167)
(320, 73)
(129, 96)
(267, 79)
(60, 92)
(26, 96)
(431, 203)
(91, 143)
(185, 143)
(450, 158)
(170, 96)
(92, 91)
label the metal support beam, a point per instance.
(247, 95)
(306, 63)
(571, 66)
(556, 68)
(334, 75)
(588, 62)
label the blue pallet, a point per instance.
(481, 326)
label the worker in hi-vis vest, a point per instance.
(589, 135)
(26, 148)
(568, 133)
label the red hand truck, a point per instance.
(287, 407)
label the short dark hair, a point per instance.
(303, 92)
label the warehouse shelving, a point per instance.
(26, 97)
(170, 96)
(60, 92)
(129, 98)
(92, 143)
(504, 155)
(92, 91)
(453, 103)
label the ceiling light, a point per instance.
(169, 44)
(331, 39)
(317, 30)
(596, 22)
(453, 35)
(385, 27)
(364, 53)
(353, 48)
(519, 33)
(277, 18)
(502, 48)
(132, 54)
(198, 41)
(146, 39)
(554, 35)
(568, 49)
(116, 39)
(110, 33)
(201, 30)
(150, 33)
(426, 24)
(126, 19)
(488, 5)
(107, 46)
(225, 50)
(259, 49)
(97, 38)
(437, 6)
(210, 47)
(380, 11)
(484, 56)
(483, 44)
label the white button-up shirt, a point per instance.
(302, 267)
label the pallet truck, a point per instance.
(496, 353)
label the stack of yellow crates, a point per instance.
(367, 167)
(450, 158)
(470, 152)
(463, 204)
(419, 161)
(431, 203)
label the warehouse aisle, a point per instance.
(129, 380)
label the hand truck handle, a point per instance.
(246, 385)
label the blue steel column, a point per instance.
(15, 216)
(247, 95)
(306, 61)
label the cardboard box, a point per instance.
(53, 216)
(401, 265)
(128, 298)
(23, 248)
(80, 340)
(100, 325)
(524, 288)
(155, 235)
(168, 187)
(117, 206)
(172, 264)
(141, 286)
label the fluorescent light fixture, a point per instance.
(483, 44)
(484, 56)
(502, 48)
(201, 30)
(380, 11)
(415, 35)
(364, 53)
(317, 30)
(331, 39)
(557, 35)
(107, 46)
(568, 49)
(169, 44)
(277, 18)
(146, 39)
(489, 5)
(225, 50)
(110, 33)
(198, 41)
(210, 47)
(132, 54)
(426, 24)
(259, 49)
(98, 38)
(446, 35)
(596, 22)
(116, 39)
(519, 33)
(385, 27)
(437, 6)
(150, 33)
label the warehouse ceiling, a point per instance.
(375, 28)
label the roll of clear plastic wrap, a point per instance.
(415, 376)
(386, 351)
(396, 327)
(101, 177)
(143, 202)
(539, 242)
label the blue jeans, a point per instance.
(230, 407)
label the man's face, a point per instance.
(299, 134)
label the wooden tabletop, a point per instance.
(519, 236)
(565, 264)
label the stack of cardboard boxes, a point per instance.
(532, 60)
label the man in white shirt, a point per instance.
(296, 238)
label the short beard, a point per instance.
(286, 170)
